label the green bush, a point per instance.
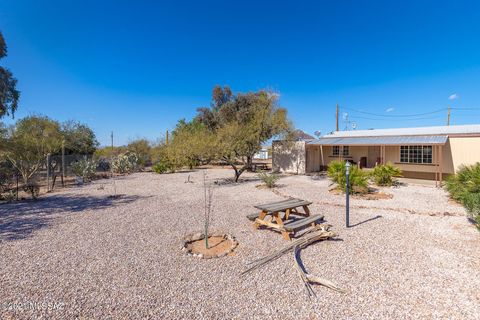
(85, 169)
(125, 163)
(465, 188)
(358, 178)
(6, 175)
(164, 166)
(270, 179)
(384, 174)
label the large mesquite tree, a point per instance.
(241, 124)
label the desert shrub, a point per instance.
(6, 175)
(103, 164)
(33, 189)
(270, 179)
(85, 169)
(9, 196)
(384, 174)
(125, 163)
(358, 178)
(164, 166)
(465, 188)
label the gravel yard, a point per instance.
(93, 256)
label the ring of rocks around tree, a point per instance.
(220, 245)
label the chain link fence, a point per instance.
(56, 171)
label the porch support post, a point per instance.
(435, 154)
(440, 160)
(321, 154)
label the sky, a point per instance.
(137, 67)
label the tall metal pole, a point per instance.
(347, 204)
(448, 117)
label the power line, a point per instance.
(396, 115)
(378, 119)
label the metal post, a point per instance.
(48, 172)
(347, 205)
(63, 163)
(17, 175)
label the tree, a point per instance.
(9, 95)
(192, 143)
(241, 124)
(142, 148)
(28, 143)
(79, 138)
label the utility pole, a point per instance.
(166, 138)
(336, 117)
(111, 137)
(448, 117)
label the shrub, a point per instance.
(85, 169)
(125, 163)
(465, 188)
(33, 189)
(270, 180)
(358, 178)
(103, 164)
(164, 165)
(6, 175)
(383, 175)
(9, 196)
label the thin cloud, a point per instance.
(391, 109)
(453, 97)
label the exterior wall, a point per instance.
(463, 151)
(299, 158)
(289, 157)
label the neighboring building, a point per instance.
(423, 153)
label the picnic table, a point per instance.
(259, 166)
(284, 216)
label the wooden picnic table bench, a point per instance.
(259, 166)
(284, 216)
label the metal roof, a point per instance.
(380, 141)
(420, 131)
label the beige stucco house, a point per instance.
(423, 153)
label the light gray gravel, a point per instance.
(102, 258)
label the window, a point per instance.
(416, 154)
(336, 151)
(345, 151)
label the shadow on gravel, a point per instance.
(365, 221)
(19, 220)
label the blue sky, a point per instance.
(136, 67)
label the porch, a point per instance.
(420, 157)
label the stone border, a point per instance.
(199, 236)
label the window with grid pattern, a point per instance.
(345, 151)
(416, 154)
(336, 150)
